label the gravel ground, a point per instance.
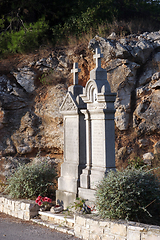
(16, 229)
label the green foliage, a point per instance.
(22, 27)
(77, 205)
(132, 194)
(47, 77)
(137, 162)
(27, 38)
(31, 180)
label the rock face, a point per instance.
(29, 113)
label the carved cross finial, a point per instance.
(98, 57)
(75, 72)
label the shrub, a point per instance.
(132, 194)
(31, 180)
(28, 38)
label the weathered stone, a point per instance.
(1, 116)
(148, 157)
(9, 164)
(146, 77)
(157, 148)
(119, 229)
(121, 76)
(25, 77)
(143, 143)
(121, 152)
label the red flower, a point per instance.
(45, 199)
(39, 198)
(39, 203)
(49, 200)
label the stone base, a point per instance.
(88, 195)
(68, 184)
(65, 198)
(85, 179)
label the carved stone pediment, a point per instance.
(68, 104)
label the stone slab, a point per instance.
(65, 198)
(87, 194)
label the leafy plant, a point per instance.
(78, 204)
(131, 194)
(137, 162)
(31, 180)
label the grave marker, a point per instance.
(74, 143)
(100, 136)
(89, 138)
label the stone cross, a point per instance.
(98, 57)
(75, 72)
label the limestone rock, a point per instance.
(146, 116)
(148, 157)
(24, 139)
(1, 116)
(121, 153)
(25, 77)
(9, 164)
(143, 143)
(45, 64)
(48, 111)
(157, 148)
(121, 76)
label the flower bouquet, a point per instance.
(45, 203)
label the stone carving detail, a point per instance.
(68, 104)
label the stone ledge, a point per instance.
(20, 208)
(57, 227)
(60, 219)
(95, 228)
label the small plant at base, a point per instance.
(80, 206)
(137, 162)
(132, 194)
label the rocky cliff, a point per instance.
(32, 88)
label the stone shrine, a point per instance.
(89, 138)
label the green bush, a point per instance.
(28, 38)
(31, 180)
(131, 194)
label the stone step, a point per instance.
(56, 227)
(60, 219)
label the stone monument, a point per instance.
(74, 143)
(100, 135)
(89, 138)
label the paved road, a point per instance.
(16, 229)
